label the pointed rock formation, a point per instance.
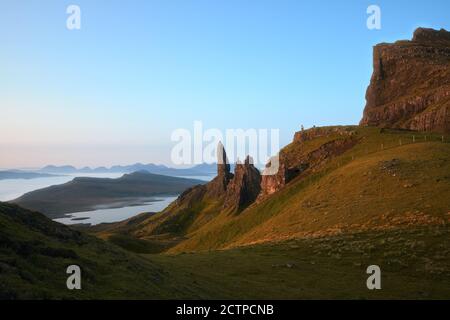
(218, 186)
(244, 188)
(410, 84)
(223, 165)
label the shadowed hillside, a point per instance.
(35, 252)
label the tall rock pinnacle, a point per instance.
(223, 166)
(218, 186)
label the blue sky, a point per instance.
(112, 92)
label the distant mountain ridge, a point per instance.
(19, 174)
(198, 170)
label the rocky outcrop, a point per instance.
(244, 188)
(274, 182)
(424, 35)
(237, 191)
(295, 160)
(316, 132)
(410, 84)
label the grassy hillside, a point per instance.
(414, 263)
(83, 194)
(35, 252)
(394, 187)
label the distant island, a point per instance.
(18, 174)
(85, 194)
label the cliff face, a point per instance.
(410, 84)
(296, 159)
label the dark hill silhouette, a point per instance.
(83, 194)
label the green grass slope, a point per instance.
(414, 263)
(35, 253)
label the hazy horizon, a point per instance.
(95, 167)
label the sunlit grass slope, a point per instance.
(389, 179)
